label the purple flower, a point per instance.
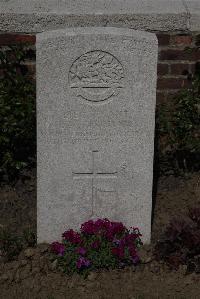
(116, 241)
(135, 259)
(93, 227)
(58, 248)
(129, 239)
(72, 236)
(133, 254)
(81, 250)
(82, 262)
(103, 227)
(89, 228)
(117, 228)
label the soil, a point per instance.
(34, 275)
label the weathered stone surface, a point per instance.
(37, 16)
(96, 90)
(193, 8)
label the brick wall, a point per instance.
(178, 55)
(175, 63)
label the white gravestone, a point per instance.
(96, 93)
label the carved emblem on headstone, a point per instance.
(96, 76)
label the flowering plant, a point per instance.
(99, 244)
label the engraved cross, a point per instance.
(93, 175)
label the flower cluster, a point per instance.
(103, 227)
(58, 248)
(101, 243)
(72, 236)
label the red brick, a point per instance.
(185, 40)
(175, 54)
(11, 39)
(172, 83)
(180, 69)
(163, 39)
(162, 69)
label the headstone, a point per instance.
(96, 91)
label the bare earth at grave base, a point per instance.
(33, 275)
